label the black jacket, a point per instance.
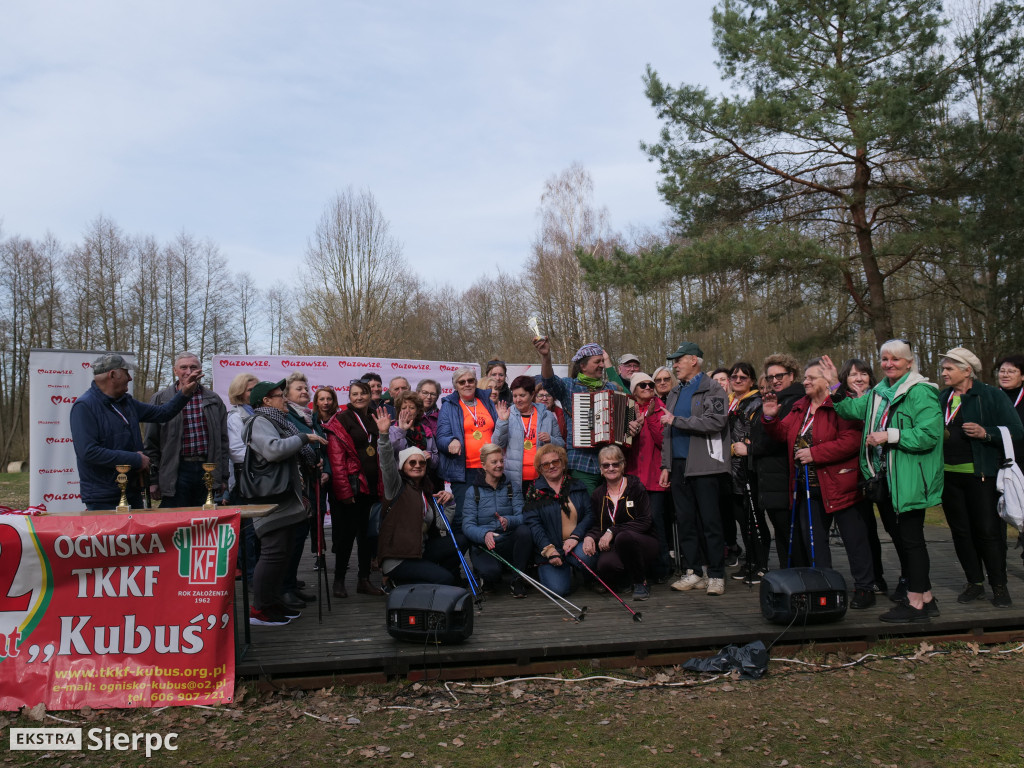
(771, 458)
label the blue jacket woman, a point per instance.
(510, 434)
(450, 426)
(492, 520)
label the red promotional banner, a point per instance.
(117, 610)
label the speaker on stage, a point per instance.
(808, 595)
(421, 612)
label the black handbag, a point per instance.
(876, 488)
(260, 478)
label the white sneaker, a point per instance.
(690, 581)
(716, 586)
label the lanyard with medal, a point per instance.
(951, 412)
(801, 440)
(477, 421)
(529, 428)
(370, 450)
(615, 501)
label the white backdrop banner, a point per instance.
(56, 378)
(337, 372)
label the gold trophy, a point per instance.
(208, 468)
(122, 483)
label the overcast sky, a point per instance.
(239, 121)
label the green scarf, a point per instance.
(587, 381)
(886, 392)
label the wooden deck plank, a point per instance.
(510, 634)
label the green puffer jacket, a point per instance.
(988, 406)
(914, 459)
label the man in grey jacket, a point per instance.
(178, 449)
(695, 451)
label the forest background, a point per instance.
(861, 181)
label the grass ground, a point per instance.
(953, 706)
(14, 490)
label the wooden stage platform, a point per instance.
(531, 636)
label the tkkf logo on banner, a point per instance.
(203, 550)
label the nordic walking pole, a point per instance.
(636, 614)
(752, 511)
(469, 574)
(810, 518)
(554, 597)
(321, 559)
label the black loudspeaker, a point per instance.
(422, 612)
(808, 595)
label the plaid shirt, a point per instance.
(194, 438)
(562, 389)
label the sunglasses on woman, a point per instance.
(645, 385)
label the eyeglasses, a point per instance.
(776, 376)
(662, 379)
(739, 377)
(645, 385)
(543, 396)
(610, 464)
(271, 397)
(1008, 371)
(551, 464)
(415, 463)
(460, 382)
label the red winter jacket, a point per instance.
(643, 458)
(341, 452)
(834, 449)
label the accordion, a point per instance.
(600, 418)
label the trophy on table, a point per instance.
(122, 483)
(208, 468)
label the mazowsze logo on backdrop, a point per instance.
(355, 364)
(244, 363)
(61, 496)
(304, 363)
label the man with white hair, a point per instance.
(695, 451)
(179, 449)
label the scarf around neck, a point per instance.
(287, 429)
(589, 381)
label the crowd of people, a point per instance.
(709, 472)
